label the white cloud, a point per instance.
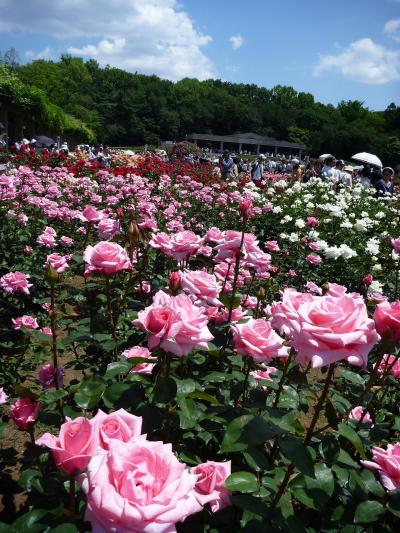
(236, 41)
(151, 36)
(46, 53)
(363, 61)
(392, 28)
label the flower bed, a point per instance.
(182, 353)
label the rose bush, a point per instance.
(134, 389)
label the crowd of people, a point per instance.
(326, 167)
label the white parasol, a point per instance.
(365, 157)
(325, 156)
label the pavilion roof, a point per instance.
(245, 138)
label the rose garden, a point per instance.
(182, 353)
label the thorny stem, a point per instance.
(282, 380)
(111, 318)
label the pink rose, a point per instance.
(66, 241)
(91, 214)
(272, 246)
(258, 340)
(47, 238)
(25, 411)
(174, 324)
(368, 279)
(138, 486)
(47, 331)
(312, 287)
(15, 282)
(140, 351)
(358, 412)
(119, 425)
(250, 302)
(201, 285)
(106, 258)
(108, 228)
(209, 487)
(292, 273)
(336, 290)
(184, 244)
(329, 329)
(266, 373)
(75, 445)
(28, 250)
(387, 464)
(387, 362)
(312, 222)
(58, 262)
(3, 396)
(283, 311)
(174, 281)
(25, 321)
(214, 235)
(313, 259)
(387, 319)
(314, 246)
(395, 244)
(48, 376)
(237, 315)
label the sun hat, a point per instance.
(388, 169)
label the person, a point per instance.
(296, 172)
(257, 171)
(226, 165)
(388, 174)
(346, 176)
(309, 173)
(235, 168)
(328, 171)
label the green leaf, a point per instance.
(185, 386)
(242, 482)
(246, 502)
(329, 448)
(368, 511)
(27, 478)
(24, 391)
(204, 396)
(314, 493)
(120, 367)
(226, 300)
(187, 411)
(259, 430)
(51, 396)
(394, 503)
(353, 377)
(331, 416)
(230, 442)
(165, 389)
(32, 521)
(349, 434)
(115, 392)
(64, 528)
(300, 455)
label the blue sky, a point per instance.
(337, 50)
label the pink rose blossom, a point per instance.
(138, 486)
(106, 258)
(368, 279)
(28, 250)
(255, 338)
(119, 425)
(395, 244)
(272, 246)
(336, 290)
(312, 222)
(24, 411)
(140, 351)
(58, 262)
(387, 319)
(75, 445)
(91, 214)
(201, 285)
(329, 329)
(387, 464)
(25, 321)
(174, 324)
(287, 309)
(47, 238)
(15, 282)
(313, 259)
(358, 412)
(108, 228)
(250, 302)
(312, 287)
(47, 331)
(314, 246)
(48, 376)
(214, 235)
(66, 241)
(209, 488)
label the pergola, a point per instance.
(238, 140)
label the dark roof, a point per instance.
(245, 138)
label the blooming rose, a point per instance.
(368, 279)
(387, 362)
(58, 262)
(286, 309)
(138, 486)
(395, 244)
(209, 486)
(47, 238)
(183, 244)
(3, 396)
(15, 282)
(174, 281)
(140, 351)
(25, 411)
(201, 286)
(25, 321)
(328, 329)
(387, 463)
(119, 425)
(313, 259)
(312, 222)
(106, 258)
(174, 324)
(387, 319)
(48, 376)
(28, 250)
(107, 228)
(214, 235)
(359, 412)
(66, 241)
(90, 214)
(336, 290)
(75, 445)
(258, 340)
(272, 246)
(312, 287)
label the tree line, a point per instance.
(124, 109)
